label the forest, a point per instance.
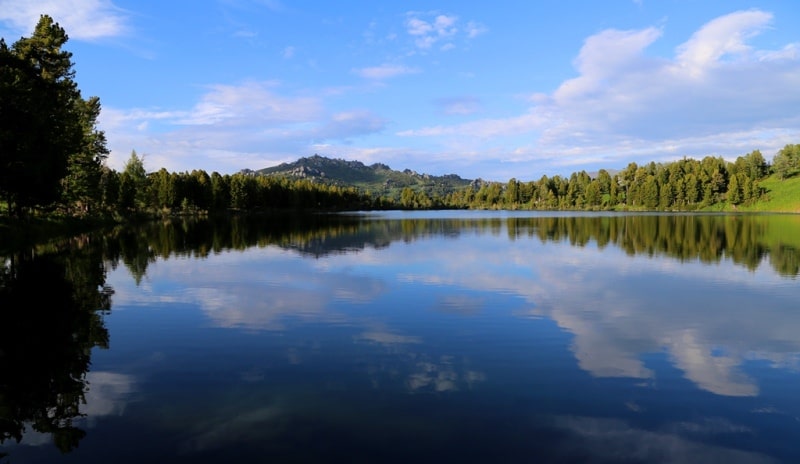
(52, 160)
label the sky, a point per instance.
(490, 90)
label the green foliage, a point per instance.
(133, 190)
(786, 162)
(734, 190)
(683, 185)
(80, 188)
(50, 150)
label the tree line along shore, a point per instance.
(53, 168)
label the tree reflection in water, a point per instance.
(747, 240)
(52, 316)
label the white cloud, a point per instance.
(249, 125)
(603, 57)
(418, 27)
(623, 94)
(626, 104)
(429, 29)
(723, 36)
(82, 19)
(445, 25)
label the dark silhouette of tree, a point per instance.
(52, 318)
(50, 149)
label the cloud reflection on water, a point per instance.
(619, 308)
(608, 440)
(108, 394)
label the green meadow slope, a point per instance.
(782, 196)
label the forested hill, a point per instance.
(377, 179)
(749, 182)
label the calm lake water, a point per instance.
(493, 337)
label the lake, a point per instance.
(437, 336)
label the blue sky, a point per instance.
(490, 90)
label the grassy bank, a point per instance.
(782, 196)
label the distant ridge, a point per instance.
(377, 178)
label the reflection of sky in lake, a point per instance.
(709, 318)
(602, 350)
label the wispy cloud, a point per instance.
(458, 105)
(484, 128)
(475, 29)
(433, 29)
(250, 103)
(724, 36)
(385, 71)
(83, 19)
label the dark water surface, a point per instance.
(492, 337)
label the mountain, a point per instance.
(378, 178)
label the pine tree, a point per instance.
(48, 140)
